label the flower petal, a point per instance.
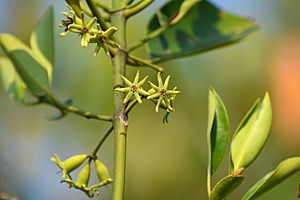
(128, 96)
(137, 97)
(139, 84)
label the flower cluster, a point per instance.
(82, 181)
(89, 31)
(159, 94)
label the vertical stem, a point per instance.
(120, 122)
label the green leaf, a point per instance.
(75, 4)
(224, 187)
(204, 27)
(218, 130)
(42, 41)
(12, 82)
(27, 64)
(283, 171)
(251, 135)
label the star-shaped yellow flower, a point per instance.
(161, 93)
(134, 88)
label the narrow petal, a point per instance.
(168, 103)
(172, 92)
(137, 77)
(153, 96)
(109, 32)
(97, 50)
(84, 22)
(128, 96)
(160, 83)
(167, 82)
(143, 92)
(158, 103)
(65, 14)
(137, 97)
(91, 23)
(126, 89)
(84, 40)
(139, 84)
(64, 33)
(105, 48)
(127, 82)
(153, 86)
(99, 27)
(75, 27)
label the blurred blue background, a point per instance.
(165, 161)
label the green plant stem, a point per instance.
(128, 2)
(130, 106)
(150, 36)
(120, 121)
(103, 6)
(208, 183)
(135, 61)
(96, 149)
(92, 5)
(85, 9)
(138, 7)
(72, 109)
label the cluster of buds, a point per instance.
(159, 94)
(82, 181)
(90, 32)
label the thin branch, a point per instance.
(128, 2)
(150, 36)
(72, 109)
(130, 106)
(121, 122)
(107, 133)
(85, 9)
(93, 7)
(137, 7)
(103, 6)
(135, 61)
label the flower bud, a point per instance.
(102, 172)
(151, 91)
(84, 175)
(70, 164)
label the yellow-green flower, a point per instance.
(161, 94)
(102, 38)
(79, 25)
(134, 88)
(72, 19)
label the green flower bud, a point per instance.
(84, 176)
(102, 172)
(151, 91)
(70, 164)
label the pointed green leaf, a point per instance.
(42, 41)
(218, 131)
(251, 135)
(283, 171)
(224, 187)
(75, 4)
(202, 28)
(11, 81)
(26, 63)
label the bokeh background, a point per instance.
(165, 161)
